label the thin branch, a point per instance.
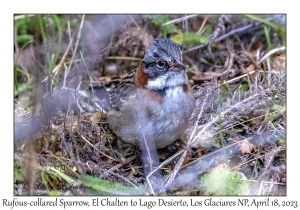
(57, 68)
(249, 161)
(179, 20)
(165, 162)
(252, 60)
(76, 46)
(270, 53)
(135, 23)
(123, 58)
(202, 25)
(214, 120)
(97, 149)
(224, 36)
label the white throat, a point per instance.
(169, 80)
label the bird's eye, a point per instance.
(161, 64)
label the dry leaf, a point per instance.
(46, 152)
(201, 151)
(98, 116)
(163, 156)
(133, 170)
(74, 169)
(250, 68)
(106, 79)
(253, 53)
(219, 168)
(186, 159)
(246, 147)
(105, 159)
(279, 63)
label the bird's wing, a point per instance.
(122, 92)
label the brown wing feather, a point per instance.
(122, 91)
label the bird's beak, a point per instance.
(179, 65)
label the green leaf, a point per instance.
(282, 143)
(216, 143)
(279, 29)
(267, 34)
(25, 24)
(24, 73)
(160, 20)
(24, 38)
(266, 22)
(239, 130)
(245, 87)
(42, 28)
(224, 182)
(17, 173)
(64, 176)
(189, 39)
(16, 84)
(105, 187)
(277, 107)
(19, 88)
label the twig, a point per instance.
(252, 61)
(240, 42)
(264, 182)
(97, 149)
(57, 68)
(210, 154)
(116, 167)
(202, 25)
(270, 53)
(135, 23)
(239, 77)
(244, 163)
(179, 19)
(76, 46)
(121, 177)
(165, 162)
(268, 75)
(224, 36)
(214, 120)
(122, 58)
(251, 43)
(87, 70)
(114, 174)
(240, 123)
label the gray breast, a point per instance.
(144, 116)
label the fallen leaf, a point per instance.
(98, 116)
(279, 63)
(216, 143)
(133, 170)
(250, 68)
(246, 147)
(219, 168)
(201, 151)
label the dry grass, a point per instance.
(239, 116)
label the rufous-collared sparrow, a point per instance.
(154, 102)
